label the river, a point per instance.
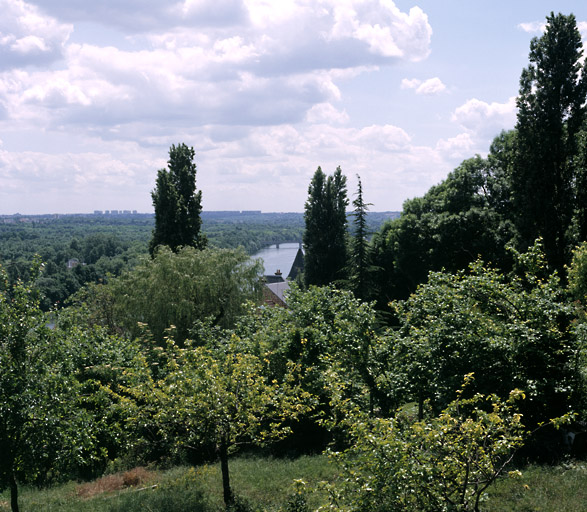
(278, 258)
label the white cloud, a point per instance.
(532, 27)
(486, 119)
(28, 37)
(265, 165)
(28, 45)
(254, 85)
(274, 67)
(383, 27)
(429, 87)
(51, 182)
(412, 83)
(326, 113)
(457, 148)
(383, 138)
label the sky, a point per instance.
(93, 94)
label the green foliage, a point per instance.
(359, 272)
(103, 246)
(454, 223)
(177, 204)
(106, 369)
(512, 332)
(222, 397)
(551, 111)
(39, 422)
(108, 245)
(580, 164)
(180, 289)
(320, 327)
(325, 235)
(437, 464)
(577, 273)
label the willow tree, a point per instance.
(177, 204)
(181, 288)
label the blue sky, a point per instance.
(92, 95)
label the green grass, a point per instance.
(266, 484)
(542, 489)
(103, 495)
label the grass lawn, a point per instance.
(267, 484)
(542, 488)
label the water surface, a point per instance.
(281, 258)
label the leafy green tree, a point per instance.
(221, 395)
(577, 273)
(181, 288)
(64, 406)
(551, 111)
(106, 368)
(512, 332)
(439, 463)
(581, 186)
(177, 204)
(321, 326)
(325, 235)
(37, 391)
(456, 221)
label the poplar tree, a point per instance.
(178, 206)
(551, 112)
(326, 255)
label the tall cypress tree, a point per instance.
(177, 204)
(326, 256)
(550, 113)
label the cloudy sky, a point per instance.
(93, 94)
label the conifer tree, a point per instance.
(360, 246)
(177, 204)
(326, 256)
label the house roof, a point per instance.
(297, 265)
(279, 289)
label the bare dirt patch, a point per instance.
(116, 482)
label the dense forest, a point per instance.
(432, 357)
(80, 249)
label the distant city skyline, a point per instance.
(92, 95)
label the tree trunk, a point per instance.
(228, 497)
(13, 493)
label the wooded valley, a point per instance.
(438, 360)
